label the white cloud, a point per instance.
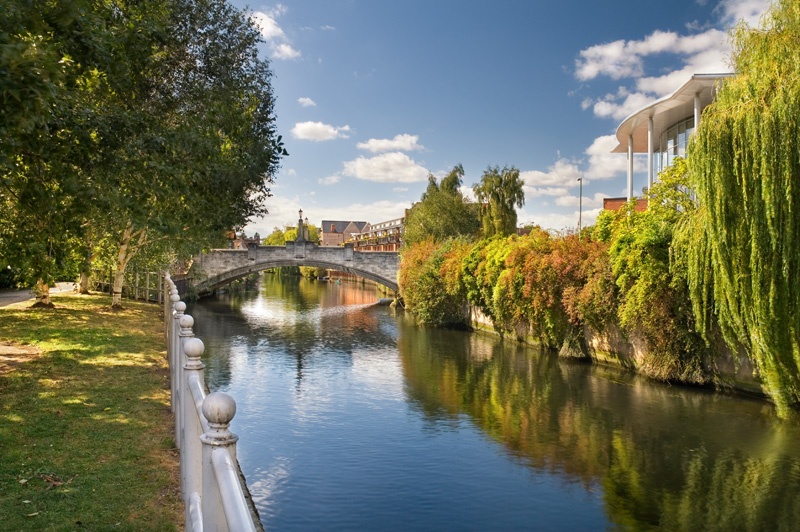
(613, 59)
(563, 172)
(400, 189)
(284, 51)
(588, 203)
(603, 164)
(273, 34)
(307, 102)
(402, 142)
(748, 10)
(535, 192)
(393, 167)
(705, 50)
(330, 180)
(267, 25)
(317, 131)
(607, 108)
(467, 193)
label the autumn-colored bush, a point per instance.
(550, 286)
(428, 288)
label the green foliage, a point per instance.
(312, 272)
(743, 258)
(549, 286)
(125, 124)
(499, 192)
(427, 280)
(653, 296)
(279, 236)
(441, 212)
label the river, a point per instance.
(351, 417)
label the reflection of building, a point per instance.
(337, 232)
(662, 129)
(383, 236)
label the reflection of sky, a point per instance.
(352, 419)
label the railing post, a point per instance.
(192, 448)
(218, 409)
(186, 323)
(176, 361)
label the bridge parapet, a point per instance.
(219, 267)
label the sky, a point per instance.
(373, 95)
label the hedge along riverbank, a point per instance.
(624, 279)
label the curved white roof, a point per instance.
(666, 112)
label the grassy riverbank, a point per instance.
(85, 425)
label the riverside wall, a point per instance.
(728, 371)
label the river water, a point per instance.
(351, 417)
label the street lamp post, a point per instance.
(580, 205)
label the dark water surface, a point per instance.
(350, 417)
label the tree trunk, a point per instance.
(126, 252)
(123, 257)
(84, 283)
(42, 294)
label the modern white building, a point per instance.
(662, 129)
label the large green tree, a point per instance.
(744, 165)
(53, 59)
(500, 193)
(442, 212)
(202, 149)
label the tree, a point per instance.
(441, 212)
(744, 166)
(200, 149)
(54, 56)
(499, 192)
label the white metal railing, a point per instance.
(210, 485)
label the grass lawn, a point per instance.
(86, 433)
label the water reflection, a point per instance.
(352, 417)
(666, 457)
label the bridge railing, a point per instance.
(210, 485)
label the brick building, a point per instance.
(337, 232)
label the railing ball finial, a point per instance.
(174, 297)
(193, 347)
(219, 409)
(186, 321)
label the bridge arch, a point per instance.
(217, 268)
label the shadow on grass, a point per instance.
(85, 427)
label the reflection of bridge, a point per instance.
(221, 266)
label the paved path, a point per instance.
(7, 297)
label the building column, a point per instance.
(697, 110)
(630, 167)
(650, 153)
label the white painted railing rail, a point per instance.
(210, 484)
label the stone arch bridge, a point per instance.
(219, 267)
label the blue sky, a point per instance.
(372, 95)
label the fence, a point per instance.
(148, 286)
(210, 486)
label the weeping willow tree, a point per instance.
(744, 164)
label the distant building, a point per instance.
(241, 241)
(662, 129)
(614, 204)
(337, 232)
(383, 236)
